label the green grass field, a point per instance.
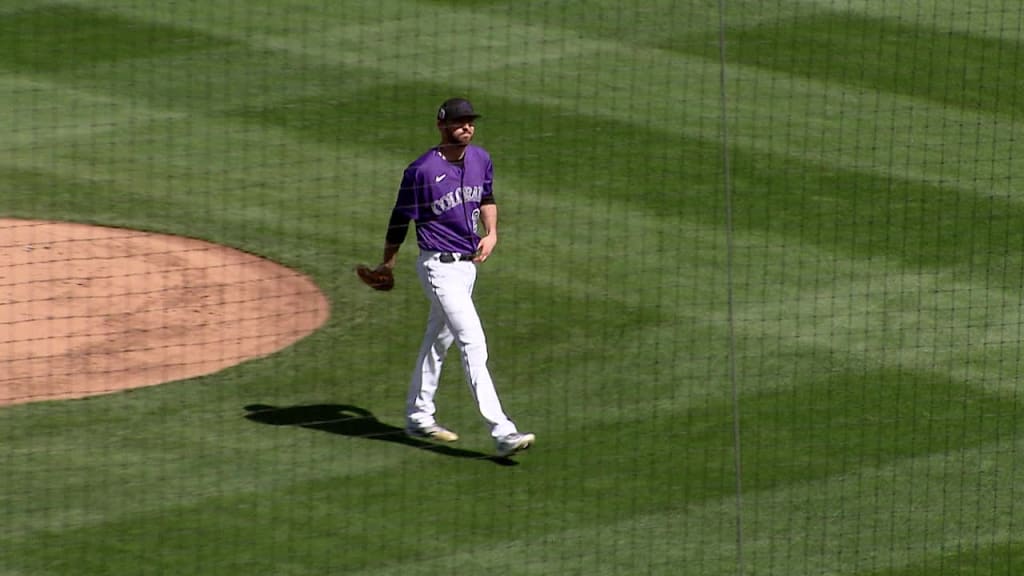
(870, 315)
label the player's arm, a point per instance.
(401, 217)
(488, 216)
(489, 221)
(398, 229)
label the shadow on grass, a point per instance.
(356, 422)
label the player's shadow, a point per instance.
(356, 422)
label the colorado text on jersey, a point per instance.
(457, 197)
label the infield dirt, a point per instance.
(91, 310)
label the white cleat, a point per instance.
(431, 432)
(514, 443)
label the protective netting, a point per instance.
(757, 289)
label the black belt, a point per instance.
(449, 257)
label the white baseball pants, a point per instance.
(453, 318)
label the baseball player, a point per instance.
(448, 193)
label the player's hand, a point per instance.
(485, 247)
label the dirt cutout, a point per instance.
(90, 310)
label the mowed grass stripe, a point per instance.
(850, 211)
(40, 114)
(980, 164)
(964, 559)
(890, 56)
(792, 298)
(883, 163)
(222, 180)
(866, 526)
(782, 114)
(657, 100)
(88, 37)
(855, 212)
(828, 452)
(183, 67)
(133, 456)
(822, 426)
(873, 312)
(981, 18)
(407, 40)
(891, 516)
(869, 522)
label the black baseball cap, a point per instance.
(454, 108)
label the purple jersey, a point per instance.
(444, 199)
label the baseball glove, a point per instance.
(380, 278)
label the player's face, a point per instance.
(458, 131)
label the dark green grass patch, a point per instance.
(56, 37)
(572, 157)
(799, 434)
(105, 199)
(629, 166)
(352, 118)
(888, 56)
(28, 193)
(863, 215)
(794, 435)
(646, 22)
(966, 559)
(848, 421)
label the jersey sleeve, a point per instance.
(407, 203)
(487, 197)
(398, 228)
(406, 209)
